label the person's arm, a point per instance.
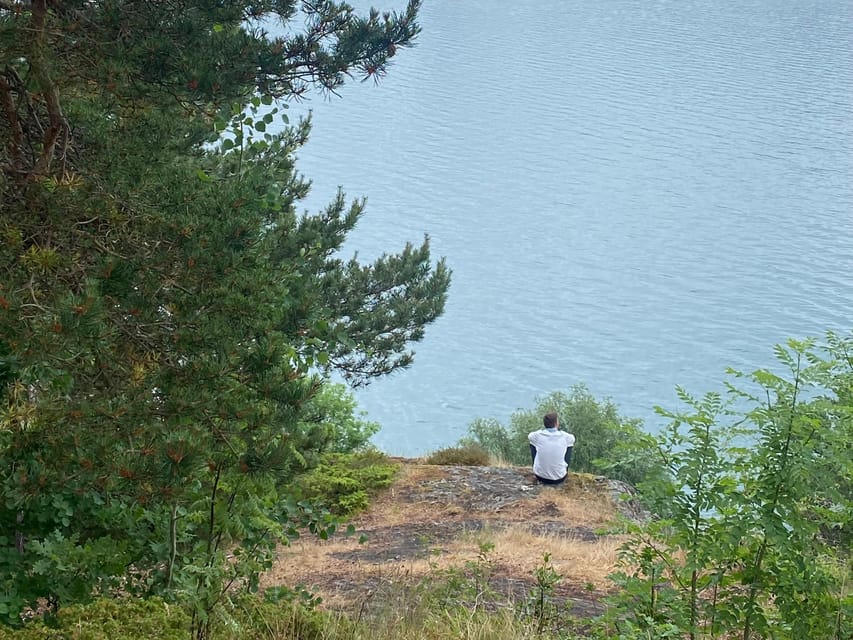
(533, 453)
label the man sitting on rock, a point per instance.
(551, 450)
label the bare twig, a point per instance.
(11, 112)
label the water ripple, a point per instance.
(632, 194)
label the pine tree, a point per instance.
(165, 312)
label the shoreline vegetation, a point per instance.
(465, 544)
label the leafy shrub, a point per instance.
(108, 619)
(750, 474)
(471, 455)
(344, 482)
(601, 435)
(335, 422)
(465, 586)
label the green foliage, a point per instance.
(249, 618)
(408, 616)
(756, 484)
(541, 607)
(168, 315)
(471, 455)
(469, 586)
(108, 619)
(334, 422)
(345, 482)
(600, 432)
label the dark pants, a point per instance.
(547, 481)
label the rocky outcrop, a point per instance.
(441, 514)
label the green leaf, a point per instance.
(167, 286)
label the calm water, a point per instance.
(632, 194)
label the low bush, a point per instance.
(602, 434)
(471, 455)
(344, 482)
(108, 619)
(335, 422)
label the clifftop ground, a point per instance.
(436, 517)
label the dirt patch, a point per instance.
(497, 520)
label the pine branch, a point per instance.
(57, 124)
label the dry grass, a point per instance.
(430, 536)
(408, 620)
(587, 563)
(584, 506)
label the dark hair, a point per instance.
(550, 420)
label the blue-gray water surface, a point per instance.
(632, 194)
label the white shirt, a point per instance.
(551, 446)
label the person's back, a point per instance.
(551, 450)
